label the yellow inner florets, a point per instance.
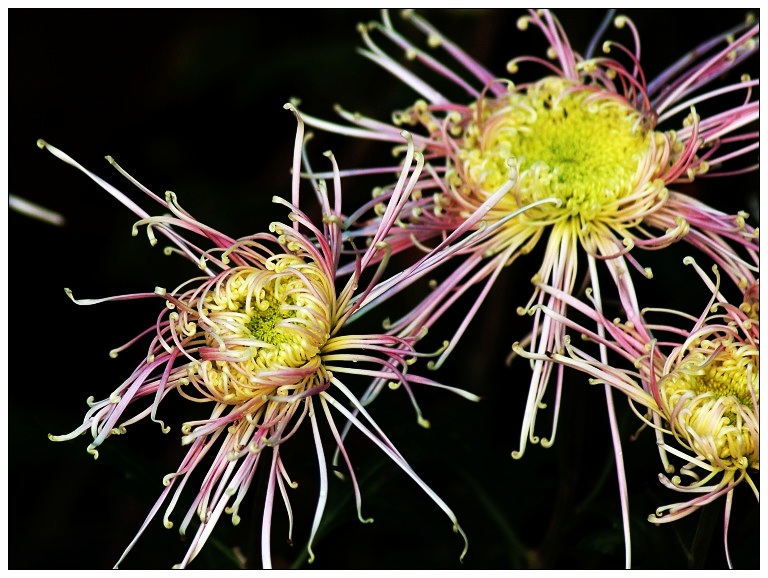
(264, 329)
(587, 148)
(710, 398)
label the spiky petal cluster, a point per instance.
(590, 135)
(696, 380)
(262, 336)
(594, 138)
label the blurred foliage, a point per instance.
(191, 100)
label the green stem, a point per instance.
(697, 558)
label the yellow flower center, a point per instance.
(587, 148)
(264, 330)
(709, 400)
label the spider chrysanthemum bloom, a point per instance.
(590, 154)
(696, 382)
(262, 336)
(592, 137)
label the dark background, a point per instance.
(191, 101)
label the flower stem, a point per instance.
(697, 559)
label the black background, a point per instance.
(191, 100)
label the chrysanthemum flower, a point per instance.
(589, 135)
(696, 380)
(593, 137)
(262, 336)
